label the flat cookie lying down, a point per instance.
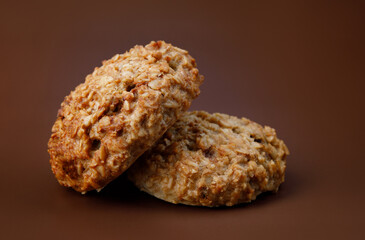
(212, 160)
(123, 107)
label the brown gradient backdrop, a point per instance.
(298, 67)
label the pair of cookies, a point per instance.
(134, 107)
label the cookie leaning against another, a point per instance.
(212, 160)
(123, 107)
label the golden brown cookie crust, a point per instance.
(123, 107)
(212, 160)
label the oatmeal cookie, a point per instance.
(121, 109)
(212, 160)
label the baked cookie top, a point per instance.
(121, 109)
(212, 160)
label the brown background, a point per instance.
(295, 65)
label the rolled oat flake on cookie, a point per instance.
(121, 109)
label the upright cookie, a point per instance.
(123, 107)
(212, 160)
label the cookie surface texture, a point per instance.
(212, 160)
(121, 109)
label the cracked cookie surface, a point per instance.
(121, 109)
(212, 160)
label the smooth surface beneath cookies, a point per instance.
(298, 67)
